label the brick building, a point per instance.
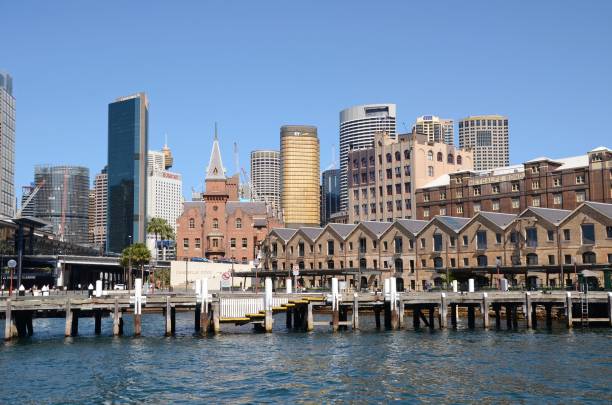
(541, 182)
(219, 225)
(382, 180)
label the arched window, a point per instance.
(389, 158)
(459, 160)
(532, 259)
(362, 264)
(430, 171)
(430, 155)
(589, 258)
(238, 223)
(330, 264)
(440, 157)
(450, 158)
(215, 223)
(398, 156)
(399, 266)
(482, 260)
(191, 223)
(406, 154)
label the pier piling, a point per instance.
(471, 317)
(116, 318)
(454, 316)
(98, 321)
(443, 310)
(355, 311)
(484, 309)
(8, 321)
(167, 316)
(309, 319)
(569, 307)
(528, 315)
(68, 328)
(215, 315)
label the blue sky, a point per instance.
(253, 66)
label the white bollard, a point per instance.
(137, 296)
(334, 293)
(471, 285)
(386, 288)
(503, 284)
(268, 294)
(198, 286)
(392, 290)
(455, 287)
(288, 286)
(204, 290)
(98, 288)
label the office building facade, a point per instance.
(299, 168)
(99, 212)
(437, 129)
(7, 146)
(63, 201)
(127, 179)
(330, 194)
(164, 190)
(487, 137)
(265, 177)
(358, 125)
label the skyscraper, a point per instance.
(7, 146)
(299, 168)
(164, 189)
(265, 177)
(437, 129)
(487, 136)
(330, 194)
(100, 213)
(127, 180)
(63, 200)
(27, 211)
(358, 125)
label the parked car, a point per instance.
(200, 259)
(119, 287)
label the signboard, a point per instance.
(226, 280)
(296, 270)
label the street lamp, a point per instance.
(12, 264)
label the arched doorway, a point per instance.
(363, 283)
(399, 266)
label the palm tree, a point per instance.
(137, 254)
(160, 227)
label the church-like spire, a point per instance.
(215, 170)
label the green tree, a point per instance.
(160, 228)
(135, 255)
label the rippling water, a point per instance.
(367, 366)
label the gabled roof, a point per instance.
(311, 233)
(199, 205)
(284, 233)
(551, 215)
(215, 170)
(414, 226)
(248, 207)
(497, 218)
(602, 208)
(342, 230)
(453, 223)
(376, 227)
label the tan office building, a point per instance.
(299, 159)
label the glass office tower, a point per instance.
(330, 194)
(7, 146)
(127, 181)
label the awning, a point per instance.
(588, 273)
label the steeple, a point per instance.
(215, 170)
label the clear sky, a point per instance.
(253, 66)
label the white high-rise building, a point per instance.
(358, 125)
(265, 177)
(98, 222)
(487, 137)
(165, 190)
(437, 129)
(7, 146)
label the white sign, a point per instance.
(296, 270)
(226, 280)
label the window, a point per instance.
(430, 155)
(567, 259)
(476, 190)
(411, 244)
(453, 262)
(438, 262)
(422, 243)
(532, 259)
(389, 189)
(551, 259)
(459, 160)
(495, 188)
(398, 205)
(450, 158)
(351, 248)
(442, 195)
(481, 240)
(442, 210)
(398, 188)
(482, 261)
(608, 232)
(589, 258)
(531, 234)
(362, 245)
(498, 238)
(274, 248)
(198, 243)
(398, 172)
(516, 203)
(385, 245)
(495, 205)
(399, 244)
(406, 187)
(566, 234)
(406, 170)
(515, 186)
(440, 157)
(476, 207)
(557, 182)
(459, 209)
(389, 158)
(466, 261)
(588, 234)
(186, 243)
(430, 171)
(459, 193)
(452, 241)
(398, 156)
(215, 243)
(330, 247)
(513, 238)
(389, 174)
(301, 249)
(557, 199)
(191, 223)
(535, 169)
(551, 235)
(580, 196)
(245, 243)
(535, 201)
(355, 163)
(426, 197)
(215, 223)
(426, 212)
(406, 154)
(238, 223)
(437, 242)
(465, 240)
(535, 184)
(356, 194)
(580, 179)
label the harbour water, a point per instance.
(367, 366)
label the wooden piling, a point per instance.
(400, 315)
(442, 311)
(98, 321)
(68, 328)
(8, 321)
(204, 323)
(309, 319)
(416, 317)
(137, 324)
(534, 317)
(116, 318)
(75, 322)
(377, 316)
(167, 313)
(528, 314)
(196, 317)
(289, 320)
(515, 316)
(548, 316)
(215, 314)
(173, 320)
(268, 321)
(610, 308)
(120, 323)
(508, 316)
(335, 318)
(432, 310)
(454, 316)
(569, 306)
(355, 311)
(471, 317)
(496, 308)
(387, 314)
(484, 309)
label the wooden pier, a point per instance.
(432, 310)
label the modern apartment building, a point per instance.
(299, 169)
(358, 125)
(487, 137)
(542, 182)
(100, 212)
(164, 189)
(63, 201)
(330, 194)
(383, 179)
(437, 129)
(7, 146)
(127, 177)
(265, 177)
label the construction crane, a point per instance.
(30, 198)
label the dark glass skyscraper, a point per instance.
(330, 194)
(128, 119)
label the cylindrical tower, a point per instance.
(299, 160)
(265, 177)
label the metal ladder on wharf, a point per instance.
(584, 305)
